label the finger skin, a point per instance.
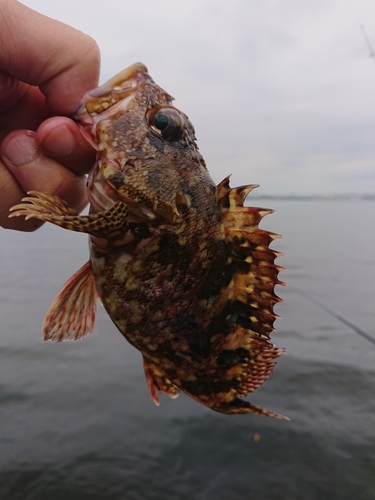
(45, 69)
(29, 169)
(28, 111)
(63, 140)
(62, 61)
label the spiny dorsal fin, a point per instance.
(252, 294)
(255, 273)
(73, 311)
(233, 197)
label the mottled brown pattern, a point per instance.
(180, 264)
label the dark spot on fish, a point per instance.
(183, 209)
(223, 323)
(203, 386)
(153, 179)
(219, 276)
(241, 265)
(225, 202)
(141, 231)
(229, 358)
(156, 142)
(191, 334)
(166, 350)
(245, 322)
(242, 308)
(170, 250)
(116, 179)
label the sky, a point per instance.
(281, 92)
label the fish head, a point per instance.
(147, 154)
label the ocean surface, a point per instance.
(77, 422)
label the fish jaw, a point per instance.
(97, 103)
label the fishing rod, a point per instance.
(369, 44)
(340, 318)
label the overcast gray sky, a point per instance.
(281, 92)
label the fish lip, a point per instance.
(128, 79)
(119, 90)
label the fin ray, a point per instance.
(157, 381)
(72, 313)
(49, 208)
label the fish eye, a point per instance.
(168, 123)
(161, 121)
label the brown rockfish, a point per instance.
(180, 264)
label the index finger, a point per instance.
(62, 61)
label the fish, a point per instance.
(178, 262)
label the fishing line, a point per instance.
(330, 311)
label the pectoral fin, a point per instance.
(53, 209)
(73, 311)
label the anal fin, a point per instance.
(73, 311)
(157, 381)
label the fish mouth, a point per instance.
(119, 89)
(116, 89)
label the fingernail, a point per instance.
(19, 148)
(59, 141)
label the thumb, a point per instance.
(62, 61)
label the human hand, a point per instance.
(45, 68)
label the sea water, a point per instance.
(77, 422)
